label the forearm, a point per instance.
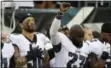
(55, 39)
(55, 26)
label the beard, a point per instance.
(30, 29)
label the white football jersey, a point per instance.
(108, 49)
(24, 44)
(7, 52)
(69, 55)
(97, 47)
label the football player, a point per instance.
(7, 51)
(88, 34)
(31, 45)
(69, 51)
(100, 47)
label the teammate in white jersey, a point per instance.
(30, 44)
(70, 51)
(99, 47)
(7, 50)
(88, 34)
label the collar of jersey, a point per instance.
(34, 39)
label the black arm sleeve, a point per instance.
(57, 47)
(104, 55)
(51, 53)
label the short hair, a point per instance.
(96, 34)
(76, 28)
(106, 28)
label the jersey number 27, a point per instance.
(74, 59)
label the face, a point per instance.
(77, 36)
(88, 34)
(28, 25)
(106, 37)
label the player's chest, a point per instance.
(24, 45)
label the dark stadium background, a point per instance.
(44, 17)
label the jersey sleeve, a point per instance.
(107, 48)
(106, 52)
(85, 49)
(96, 47)
(13, 38)
(46, 41)
(55, 38)
(7, 51)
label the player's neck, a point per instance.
(30, 36)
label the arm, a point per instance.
(19, 61)
(7, 53)
(55, 38)
(47, 43)
(54, 31)
(101, 62)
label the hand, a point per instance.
(64, 6)
(37, 51)
(33, 53)
(59, 15)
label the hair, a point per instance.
(96, 34)
(106, 27)
(75, 27)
